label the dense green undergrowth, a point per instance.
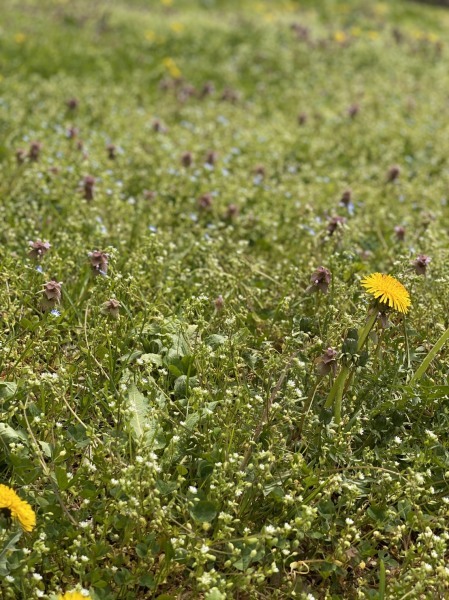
(163, 410)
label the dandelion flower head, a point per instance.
(387, 290)
(74, 595)
(19, 509)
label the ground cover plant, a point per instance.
(224, 300)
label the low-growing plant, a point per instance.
(224, 302)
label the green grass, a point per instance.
(186, 449)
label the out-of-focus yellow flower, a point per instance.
(74, 595)
(166, 2)
(356, 31)
(418, 35)
(268, 17)
(172, 67)
(19, 509)
(340, 37)
(380, 8)
(177, 27)
(150, 36)
(373, 35)
(20, 37)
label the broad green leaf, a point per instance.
(46, 448)
(7, 389)
(215, 340)
(191, 421)
(8, 434)
(166, 487)
(154, 359)
(204, 511)
(10, 546)
(139, 407)
(144, 427)
(62, 478)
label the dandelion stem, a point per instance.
(335, 396)
(429, 358)
(365, 331)
(382, 580)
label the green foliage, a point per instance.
(177, 445)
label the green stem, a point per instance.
(429, 358)
(382, 580)
(339, 394)
(365, 331)
(335, 396)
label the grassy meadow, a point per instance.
(200, 398)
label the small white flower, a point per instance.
(85, 524)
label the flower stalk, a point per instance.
(335, 396)
(388, 293)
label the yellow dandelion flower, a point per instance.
(340, 37)
(177, 27)
(387, 290)
(172, 67)
(20, 38)
(20, 509)
(73, 595)
(381, 9)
